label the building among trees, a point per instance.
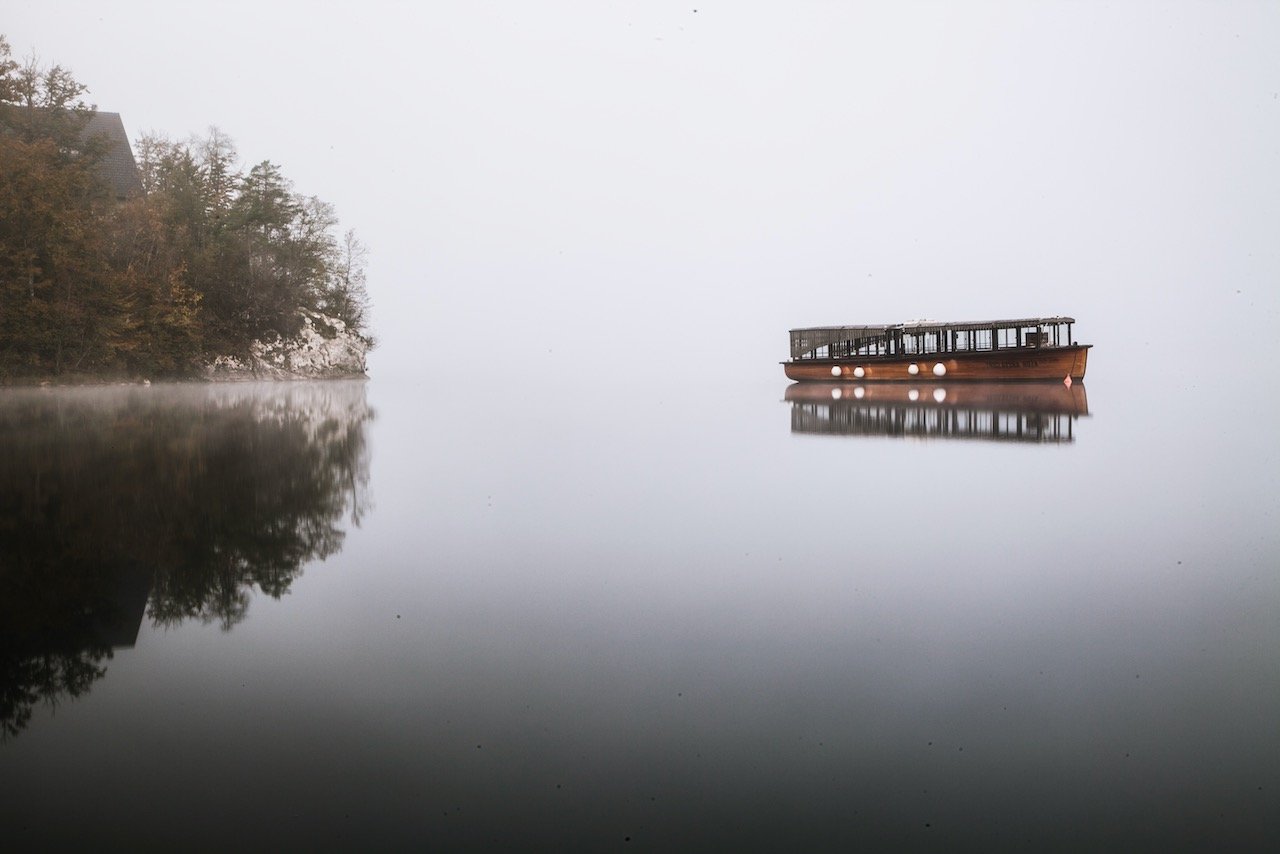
(171, 264)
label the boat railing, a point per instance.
(910, 347)
(920, 338)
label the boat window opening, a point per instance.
(912, 340)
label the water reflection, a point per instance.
(1004, 412)
(164, 502)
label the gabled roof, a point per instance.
(117, 168)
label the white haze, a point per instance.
(620, 186)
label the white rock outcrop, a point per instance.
(323, 349)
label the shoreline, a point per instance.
(83, 381)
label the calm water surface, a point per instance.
(657, 614)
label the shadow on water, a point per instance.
(167, 503)
(995, 412)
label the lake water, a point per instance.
(658, 614)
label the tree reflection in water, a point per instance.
(173, 502)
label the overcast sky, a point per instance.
(540, 181)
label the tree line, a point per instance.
(203, 263)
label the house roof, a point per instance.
(117, 167)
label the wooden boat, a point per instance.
(1037, 348)
(1034, 412)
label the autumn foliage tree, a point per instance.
(206, 261)
(53, 280)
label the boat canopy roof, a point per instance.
(930, 325)
(809, 338)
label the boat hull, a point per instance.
(1042, 363)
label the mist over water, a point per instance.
(655, 614)
(577, 568)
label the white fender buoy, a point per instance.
(939, 369)
(859, 372)
(913, 369)
(835, 371)
(939, 394)
(859, 392)
(913, 395)
(836, 394)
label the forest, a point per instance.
(203, 261)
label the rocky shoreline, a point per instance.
(323, 349)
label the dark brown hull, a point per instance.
(1043, 363)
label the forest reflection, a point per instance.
(1031, 412)
(164, 503)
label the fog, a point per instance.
(581, 568)
(616, 189)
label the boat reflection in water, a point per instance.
(165, 503)
(1004, 412)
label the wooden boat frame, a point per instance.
(1037, 348)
